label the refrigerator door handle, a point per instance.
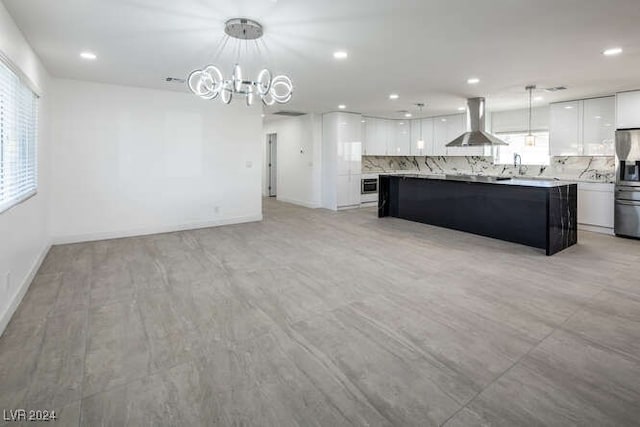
(628, 202)
(623, 188)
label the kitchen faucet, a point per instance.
(517, 162)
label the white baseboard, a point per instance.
(348, 207)
(90, 237)
(22, 289)
(368, 204)
(312, 205)
(596, 229)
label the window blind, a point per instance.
(18, 150)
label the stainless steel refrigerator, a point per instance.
(627, 195)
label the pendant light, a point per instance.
(420, 142)
(530, 140)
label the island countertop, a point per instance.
(484, 179)
(537, 213)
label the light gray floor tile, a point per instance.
(117, 347)
(611, 319)
(564, 381)
(57, 377)
(392, 384)
(313, 317)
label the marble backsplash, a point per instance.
(589, 169)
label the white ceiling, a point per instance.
(423, 50)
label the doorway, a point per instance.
(272, 166)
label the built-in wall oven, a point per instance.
(627, 192)
(369, 189)
(369, 186)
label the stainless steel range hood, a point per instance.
(477, 136)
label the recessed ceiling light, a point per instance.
(461, 108)
(341, 54)
(401, 123)
(612, 51)
(568, 107)
(261, 115)
(407, 115)
(342, 106)
(394, 96)
(473, 81)
(538, 98)
(443, 120)
(88, 55)
(363, 121)
(597, 117)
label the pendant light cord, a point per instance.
(530, 88)
(420, 123)
(530, 94)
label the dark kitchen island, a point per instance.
(537, 213)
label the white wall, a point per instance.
(298, 160)
(131, 161)
(24, 238)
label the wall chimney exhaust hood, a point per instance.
(477, 136)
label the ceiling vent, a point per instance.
(555, 89)
(289, 113)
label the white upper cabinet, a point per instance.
(628, 110)
(400, 138)
(421, 129)
(565, 136)
(386, 133)
(445, 129)
(348, 144)
(448, 128)
(582, 128)
(599, 130)
(376, 136)
(515, 121)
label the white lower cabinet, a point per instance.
(595, 205)
(348, 190)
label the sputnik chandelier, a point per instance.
(208, 83)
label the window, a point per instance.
(536, 155)
(18, 118)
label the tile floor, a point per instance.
(315, 318)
